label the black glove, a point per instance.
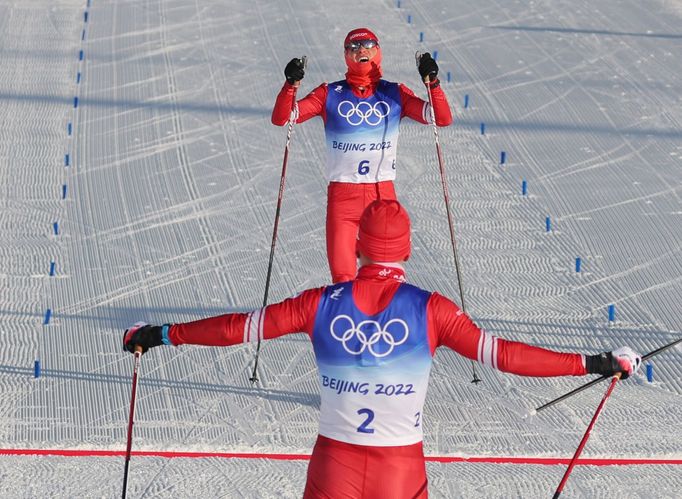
(622, 360)
(141, 334)
(427, 67)
(294, 71)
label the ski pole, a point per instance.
(602, 378)
(446, 196)
(292, 119)
(579, 450)
(131, 417)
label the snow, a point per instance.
(171, 192)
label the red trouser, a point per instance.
(345, 204)
(341, 470)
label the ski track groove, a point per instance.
(526, 153)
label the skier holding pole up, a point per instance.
(374, 339)
(361, 116)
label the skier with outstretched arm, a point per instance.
(374, 339)
(361, 115)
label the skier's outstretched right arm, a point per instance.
(292, 315)
(311, 105)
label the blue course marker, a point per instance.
(612, 313)
(421, 36)
(435, 55)
(482, 128)
(75, 102)
(466, 101)
(524, 187)
(409, 18)
(548, 224)
(69, 129)
(36, 369)
(80, 55)
(52, 266)
(64, 191)
(650, 373)
(85, 16)
(66, 160)
(55, 227)
(48, 314)
(578, 264)
(503, 157)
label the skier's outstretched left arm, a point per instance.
(449, 326)
(294, 315)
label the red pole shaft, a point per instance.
(131, 419)
(446, 195)
(614, 380)
(280, 195)
(451, 224)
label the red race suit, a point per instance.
(361, 131)
(374, 339)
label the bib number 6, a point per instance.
(363, 167)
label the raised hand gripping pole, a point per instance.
(446, 196)
(292, 120)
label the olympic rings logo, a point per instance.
(379, 341)
(363, 112)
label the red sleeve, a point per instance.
(293, 315)
(417, 109)
(308, 107)
(450, 327)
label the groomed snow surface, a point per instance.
(136, 153)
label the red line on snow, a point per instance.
(305, 457)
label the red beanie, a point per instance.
(359, 34)
(384, 234)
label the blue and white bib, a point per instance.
(362, 133)
(374, 370)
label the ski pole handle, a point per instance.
(417, 58)
(426, 79)
(304, 64)
(292, 117)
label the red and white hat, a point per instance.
(384, 234)
(360, 34)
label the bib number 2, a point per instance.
(369, 417)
